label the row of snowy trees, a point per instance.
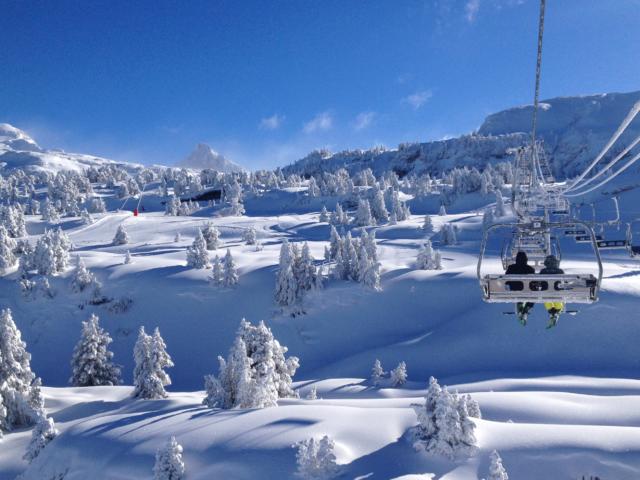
(297, 274)
(397, 376)
(355, 259)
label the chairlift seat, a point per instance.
(612, 244)
(587, 238)
(566, 288)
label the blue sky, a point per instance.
(264, 82)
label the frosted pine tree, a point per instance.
(82, 277)
(427, 429)
(334, 241)
(7, 247)
(151, 358)
(197, 253)
(378, 207)
(363, 214)
(16, 377)
(286, 286)
(169, 464)
(377, 373)
(92, 363)
(443, 211)
(324, 215)
(211, 236)
(217, 275)
(86, 217)
(50, 213)
(127, 258)
(500, 210)
(368, 270)
(43, 432)
(399, 375)
(437, 259)
(306, 271)
(473, 408)
(121, 237)
(313, 393)
(229, 271)
(448, 234)
(496, 469)
(172, 206)
(425, 260)
(427, 225)
(249, 236)
(316, 459)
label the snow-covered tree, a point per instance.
(399, 209)
(12, 218)
(313, 393)
(427, 225)
(255, 374)
(368, 270)
(324, 215)
(92, 363)
(43, 432)
(17, 381)
(7, 247)
(229, 271)
(172, 206)
(169, 463)
(473, 408)
(445, 427)
(249, 236)
(82, 277)
(151, 359)
(96, 205)
(363, 214)
(121, 237)
(334, 241)
(496, 469)
(437, 259)
(211, 236)
(338, 217)
(399, 375)
(197, 253)
(426, 257)
(51, 254)
(286, 287)
(217, 275)
(86, 217)
(378, 207)
(448, 234)
(500, 210)
(377, 372)
(316, 459)
(127, 258)
(443, 211)
(50, 213)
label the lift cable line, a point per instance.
(536, 95)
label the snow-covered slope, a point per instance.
(19, 151)
(204, 157)
(574, 129)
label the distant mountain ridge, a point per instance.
(204, 157)
(573, 129)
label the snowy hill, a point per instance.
(574, 129)
(19, 151)
(204, 157)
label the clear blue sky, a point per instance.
(264, 82)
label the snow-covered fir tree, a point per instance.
(437, 259)
(399, 375)
(86, 217)
(50, 213)
(445, 427)
(43, 432)
(255, 374)
(473, 408)
(121, 237)
(127, 258)
(51, 253)
(172, 206)
(316, 459)
(377, 373)
(96, 205)
(211, 236)
(496, 469)
(324, 215)
(92, 363)
(427, 224)
(7, 248)
(338, 217)
(443, 211)
(17, 381)
(12, 218)
(249, 236)
(197, 253)
(448, 234)
(286, 286)
(151, 359)
(500, 210)
(363, 214)
(334, 242)
(313, 393)
(229, 271)
(217, 275)
(169, 464)
(399, 209)
(368, 270)
(427, 257)
(82, 277)
(378, 207)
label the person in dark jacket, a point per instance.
(552, 267)
(521, 267)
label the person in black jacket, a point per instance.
(521, 267)
(552, 267)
